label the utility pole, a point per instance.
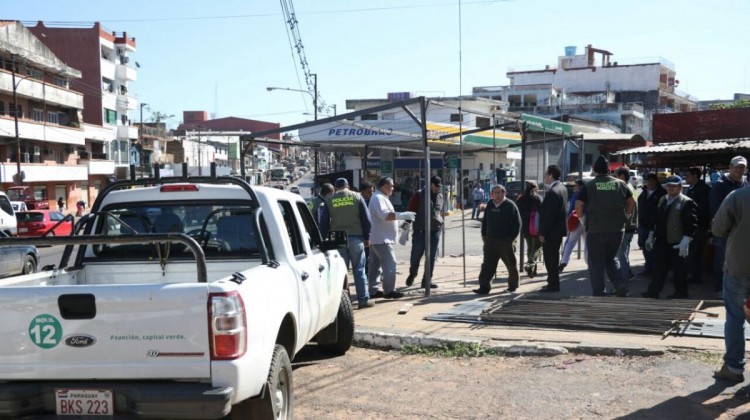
(19, 178)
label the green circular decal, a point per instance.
(45, 331)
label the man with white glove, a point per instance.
(382, 237)
(650, 241)
(676, 222)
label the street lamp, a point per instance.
(314, 95)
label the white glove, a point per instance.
(683, 246)
(406, 215)
(403, 238)
(650, 241)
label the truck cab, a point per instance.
(27, 195)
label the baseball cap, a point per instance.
(674, 180)
(739, 160)
(435, 180)
(341, 183)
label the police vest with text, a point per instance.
(343, 207)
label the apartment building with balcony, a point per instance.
(592, 85)
(41, 126)
(104, 58)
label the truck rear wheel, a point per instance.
(278, 401)
(344, 327)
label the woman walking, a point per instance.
(528, 205)
(575, 228)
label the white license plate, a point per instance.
(23, 230)
(84, 402)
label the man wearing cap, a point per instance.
(346, 210)
(719, 191)
(732, 221)
(320, 201)
(674, 228)
(608, 204)
(418, 204)
(384, 231)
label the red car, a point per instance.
(37, 222)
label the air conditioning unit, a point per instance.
(37, 151)
(124, 59)
(84, 155)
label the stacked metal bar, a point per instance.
(645, 316)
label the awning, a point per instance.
(695, 146)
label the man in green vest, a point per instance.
(608, 204)
(676, 222)
(346, 210)
(320, 200)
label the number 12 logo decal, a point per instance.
(45, 331)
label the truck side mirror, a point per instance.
(336, 239)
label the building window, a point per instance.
(390, 116)
(456, 118)
(110, 116)
(492, 166)
(60, 81)
(37, 114)
(2, 108)
(483, 122)
(108, 85)
(369, 117)
(481, 166)
(16, 110)
(53, 118)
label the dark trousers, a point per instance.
(720, 250)
(494, 250)
(648, 256)
(667, 257)
(697, 251)
(417, 251)
(551, 249)
(603, 249)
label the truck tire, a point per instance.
(344, 327)
(278, 401)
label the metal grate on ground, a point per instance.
(644, 316)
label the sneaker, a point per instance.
(508, 290)
(432, 286)
(393, 295)
(377, 295)
(365, 305)
(410, 280)
(547, 289)
(481, 291)
(562, 267)
(727, 375)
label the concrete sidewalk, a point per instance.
(383, 327)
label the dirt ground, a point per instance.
(373, 384)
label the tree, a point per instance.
(158, 116)
(739, 103)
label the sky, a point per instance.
(219, 56)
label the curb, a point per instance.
(386, 340)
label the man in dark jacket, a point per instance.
(501, 225)
(553, 225)
(699, 192)
(719, 191)
(418, 204)
(674, 229)
(648, 200)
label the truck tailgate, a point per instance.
(104, 332)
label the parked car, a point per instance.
(17, 259)
(37, 222)
(294, 189)
(7, 215)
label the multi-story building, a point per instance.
(591, 85)
(41, 130)
(107, 69)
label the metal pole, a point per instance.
(494, 153)
(315, 95)
(19, 180)
(522, 129)
(427, 197)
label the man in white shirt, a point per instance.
(383, 235)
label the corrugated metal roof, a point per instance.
(690, 146)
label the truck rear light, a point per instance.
(227, 325)
(179, 187)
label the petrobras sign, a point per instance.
(361, 131)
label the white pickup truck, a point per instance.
(185, 298)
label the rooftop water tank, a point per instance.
(570, 51)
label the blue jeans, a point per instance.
(354, 253)
(382, 261)
(735, 291)
(623, 255)
(603, 249)
(475, 209)
(417, 251)
(648, 256)
(720, 249)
